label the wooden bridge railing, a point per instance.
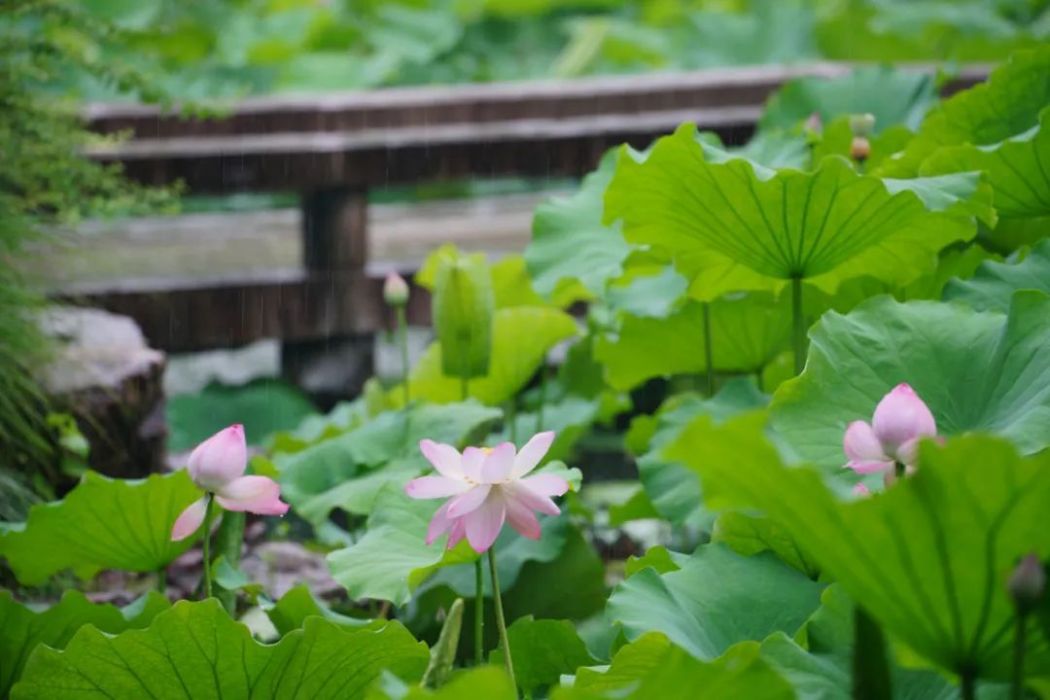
(333, 148)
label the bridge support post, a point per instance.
(335, 250)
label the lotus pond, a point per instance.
(762, 421)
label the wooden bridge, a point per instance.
(332, 149)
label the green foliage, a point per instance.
(543, 650)
(734, 225)
(45, 180)
(976, 371)
(263, 407)
(653, 667)
(22, 629)
(291, 611)
(927, 559)
(892, 96)
(103, 523)
(195, 650)
(715, 600)
(992, 286)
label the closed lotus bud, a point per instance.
(859, 148)
(1027, 583)
(862, 124)
(395, 290)
(463, 305)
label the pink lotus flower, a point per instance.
(217, 465)
(901, 419)
(487, 488)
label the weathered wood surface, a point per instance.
(106, 375)
(424, 134)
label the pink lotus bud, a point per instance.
(900, 419)
(220, 459)
(1027, 583)
(395, 290)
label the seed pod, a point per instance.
(463, 305)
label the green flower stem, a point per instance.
(899, 469)
(402, 337)
(501, 624)
(464, 388)
(162, 580)
(543, 396)
(208, 513)
(229, 541)
(511, 417)
(969, 685)
(709, 362)
(1017, 679)
(799, 324)
(479, 613)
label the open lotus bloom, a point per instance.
(217, 465)
(487, 488)
(901, 419)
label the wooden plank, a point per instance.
(476, 103)
(298, 161)
(200, 315)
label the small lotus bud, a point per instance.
(1027, 583)
(395, 290)
(862, 124)
(859, 149)
(813, 123)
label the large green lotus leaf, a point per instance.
(1006, 105)
(652, 291)
(673, 489)
(928, 559)
(1017, 169)
(748, 330)
(345, 472)
(542, 651)
(196, 651)
(103, 523)
(570, 244)
(488, 682)
(748, 535)
(294, 607)
(653, 667)
(570, 418)
(837, 139)
(977, 371)
(521, 337)
(893, 96)
(391, 559)
(994, 283)
(733, 226)
(818, 660)
(716, 599)
(23, 629)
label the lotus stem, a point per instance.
(501, 624)
(799, 324)
(543, 396)
(1017, 679)
(228, 542)
(206, 547)
(969, 685)
(479, 613)
(162, 580)
(402, 338)
(709, 362)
